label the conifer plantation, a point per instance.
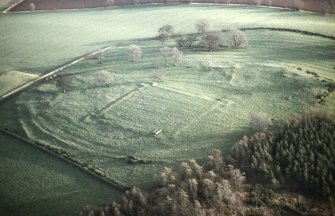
(301, 152)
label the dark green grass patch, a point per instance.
(33, 182)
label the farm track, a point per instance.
(109, 181)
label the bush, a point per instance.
(260, 121)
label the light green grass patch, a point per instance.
(4, 4)
(196, 110)
(29, 44)
(13, 79)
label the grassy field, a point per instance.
(28, 44)
(196, 110)
(35, 183)
(4, 4)
(13, 79)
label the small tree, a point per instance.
(103, 78)
(181, 40)
(166, 53)
(135, 52)
(32, 6)
(236, 38)
(159, 76)
(134, 2)
(191, 39)
(325, 7)
(213, 40)
(186, 1)
(100, 57)
(260, 121)
(165, 32)
(110, 2)
(258, 2)
(176, 55)
(171, 54)
(299, 5)
(202, 26)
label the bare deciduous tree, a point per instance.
(32, 6)
(186, 1)
(166, 53)
(202, 26)
(213, 40)
(325, 7)
(299, 4)
(134, 2)
(135, 52)
(258, 2)
(103, 78)
(159, 76)
(165, 32)
(236, 38)
(171, 54)
(269, 3)
(110, 2)
(177, 55)
(181, 40)
(260, 121)
(184, 40)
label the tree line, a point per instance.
(301, 152)
(298, 152)
(194, 190)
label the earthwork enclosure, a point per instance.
(201, 103)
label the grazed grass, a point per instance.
(29, 44)
(13, 79)
(4, 4)
(35, 183)
(196, 110)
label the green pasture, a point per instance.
(13, 79)
(29, 43)
(196, 110)
(36, 183)
(4, 4)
